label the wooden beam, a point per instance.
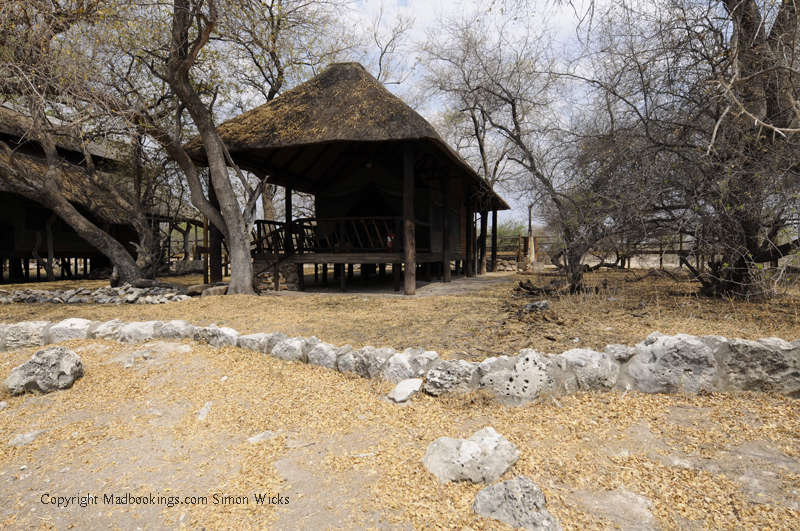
(409, 241)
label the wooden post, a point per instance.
(409, 240)
(325, 274)
(205, 250)
(215, 241)
(494, 241)
(446, 226)
(316, 272)
(470, 226)
(38, 270)
(382, 272)
(482, 242)
(289, 227)
(301, 277)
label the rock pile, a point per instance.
(506, 265)
(287, 275)
(125, 294)
(660, 364)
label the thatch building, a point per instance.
(22, 217)
(387, 188)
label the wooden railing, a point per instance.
(276, 241)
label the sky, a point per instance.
(559, 16)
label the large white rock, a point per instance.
(398, 368)
(324, 355)
(594, 370)
(69, 329)
(295, 349)
(48, 370)
(529, 376)
(366, 362)
(26, 334)
(178, 329)
(671, 364)
(406, 389)
(482, 458)
(519, 503)
(139, 331)
(256, 342)
(108, 330)
(455, 375)
(769, 364)
(225, 337)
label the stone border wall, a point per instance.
(660, 364)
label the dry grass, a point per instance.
(472, 325)
(579, 446)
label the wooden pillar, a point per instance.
(301, 277)
(342, 278)
(468, 271)
(409, 236)
(316, 272)
(482, 241)
(289, 228)
(215, 241)
(446, 226)
(382, 272)
(325, 274)
(494, 241)
(427, 269)
(205, 250)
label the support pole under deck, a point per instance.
(410, 243)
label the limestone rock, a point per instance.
(422, 361)
(324, 355)
(295, 349)
(594, 370)
(216, 290)
(406, 389)
(23, 439)
(519, 503)
(366, 362)
(768, 364)
(139, 331)
(671, 364)
(256, 342)
(620, 353)
(455, 375)
(178, 329)
(490, 368)
(525, 381)
(397, 368)
(69, 329)
(108, 330)
(225, 337)
(26, 334)
(48, 370)
(198, 289)
(482, 458)
(273, 339)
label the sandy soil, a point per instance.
(347, 459)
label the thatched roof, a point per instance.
(74, 186)
(17, 127)
(342, 112)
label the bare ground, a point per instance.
(347, 459)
